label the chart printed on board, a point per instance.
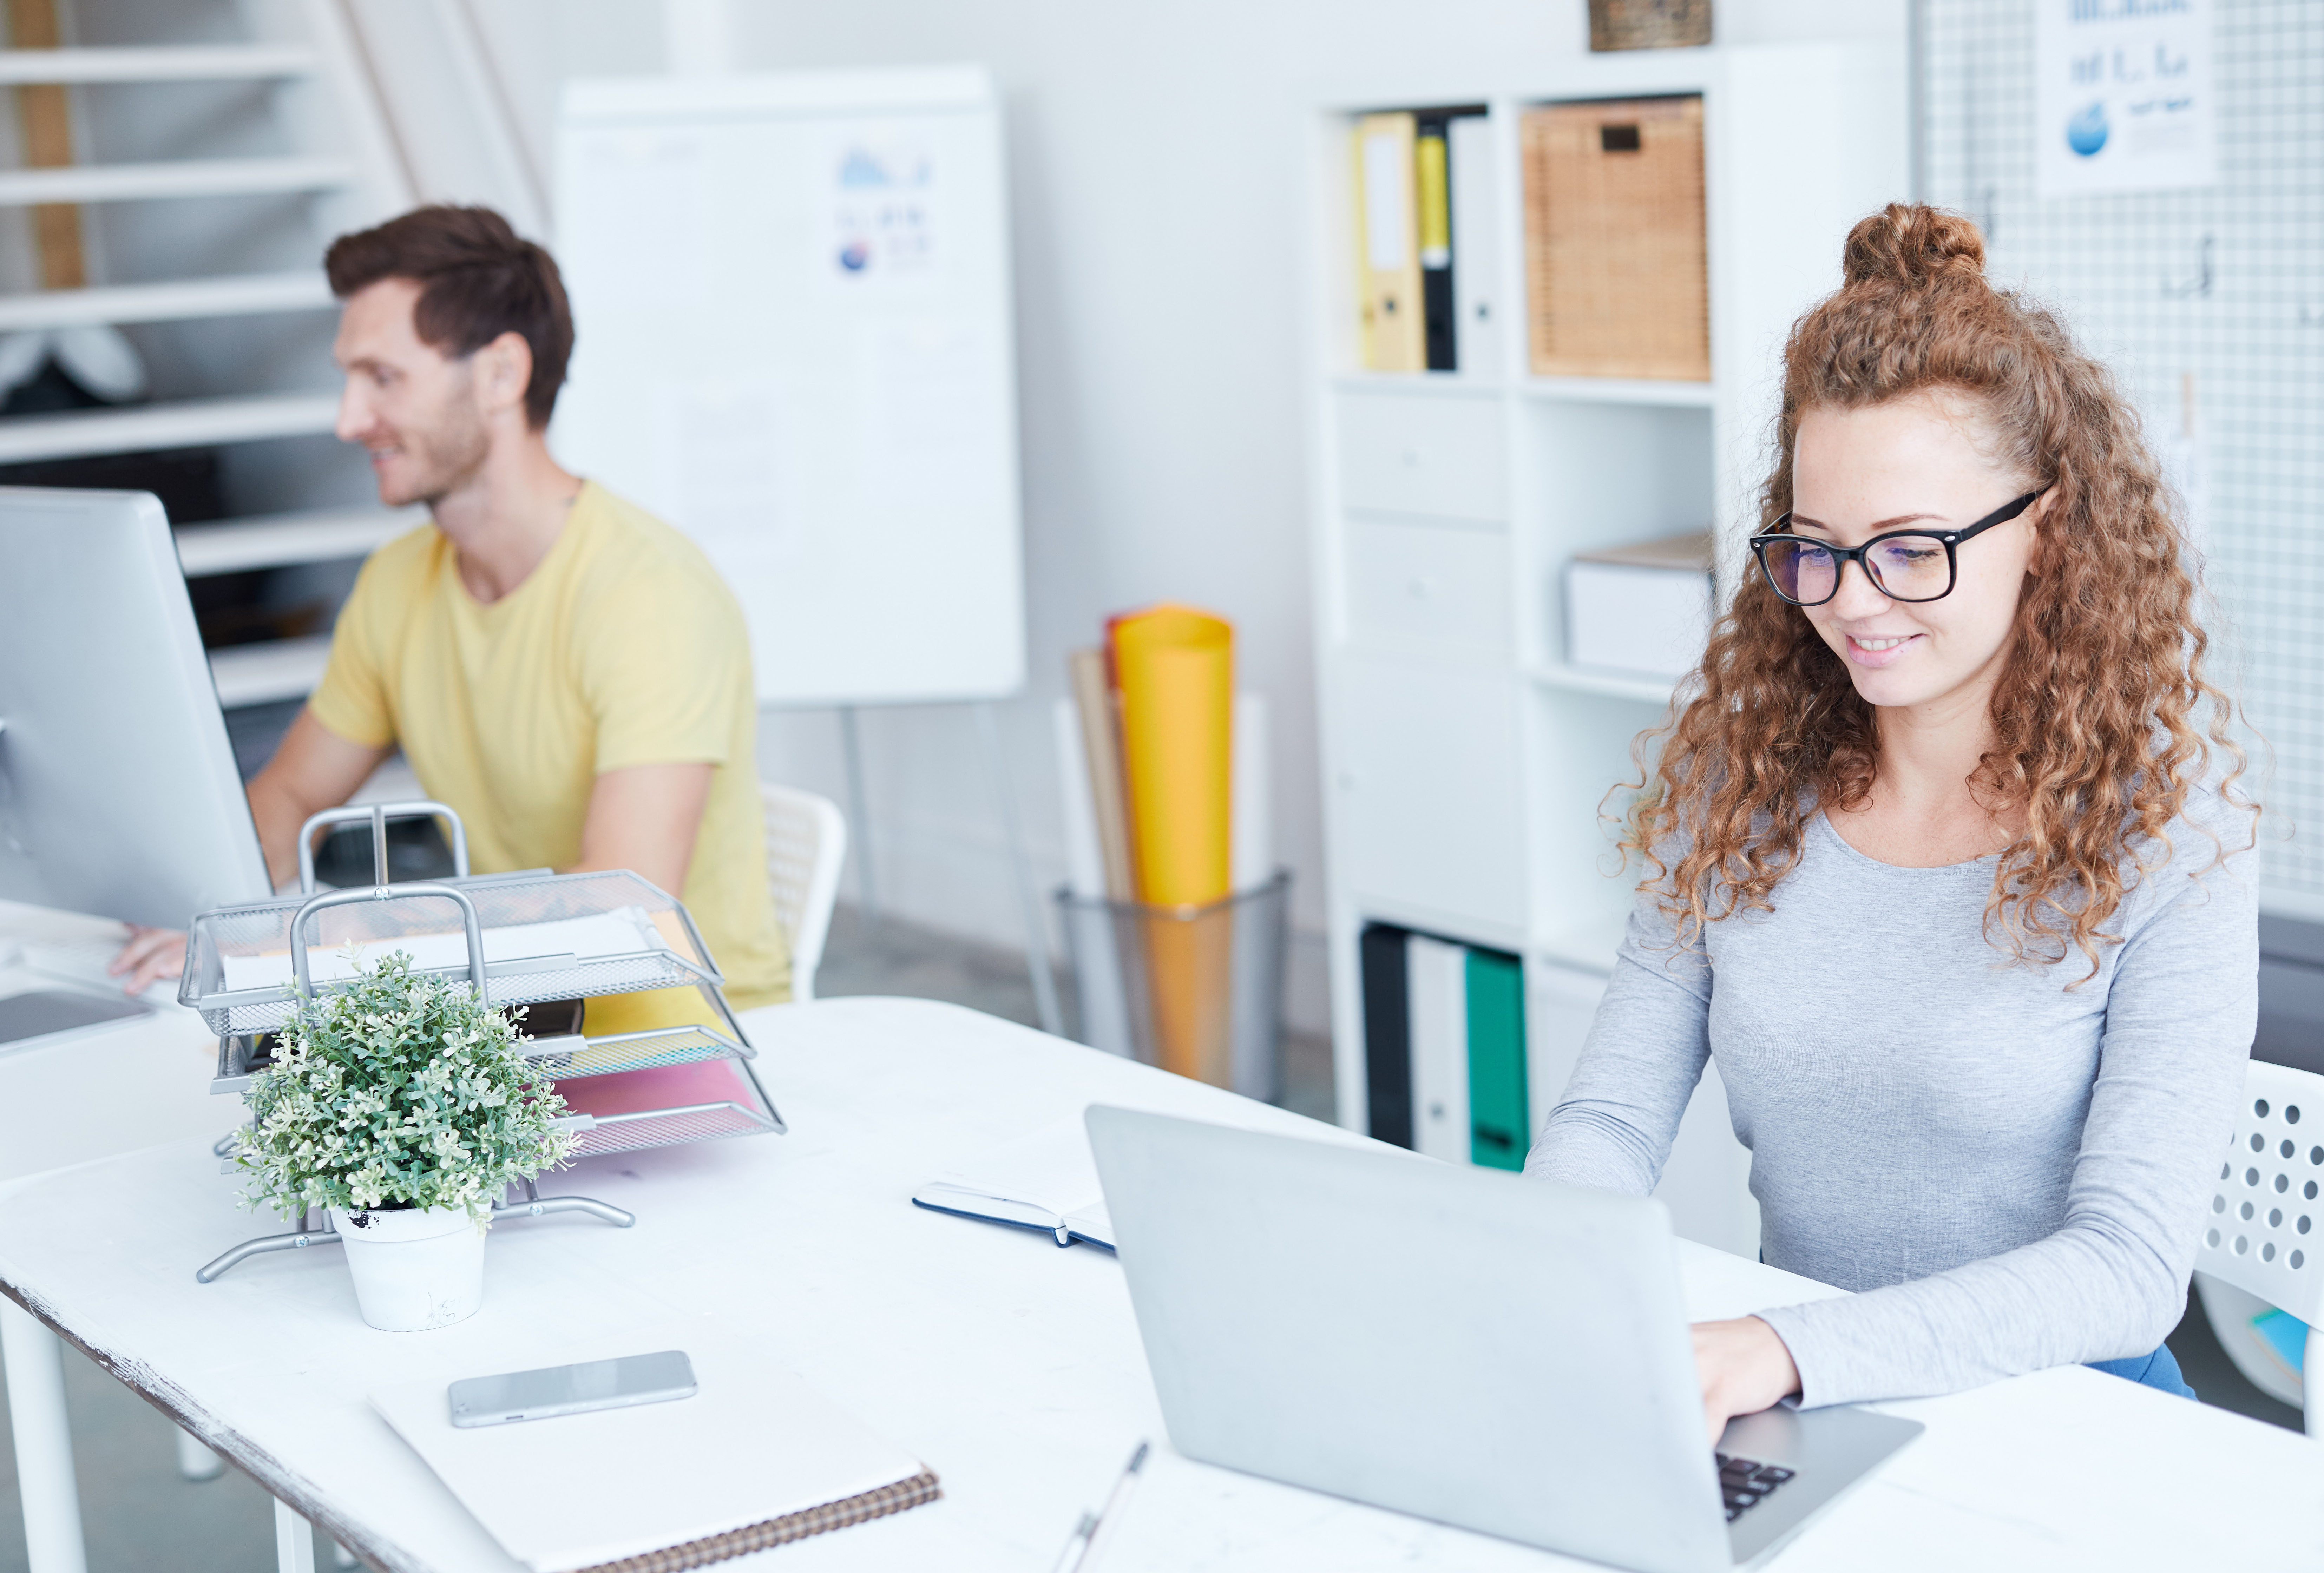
(2123, 98)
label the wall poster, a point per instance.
(2123, 97)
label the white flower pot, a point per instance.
(414, 1268)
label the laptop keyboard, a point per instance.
(80, 961)
(1745, 1482)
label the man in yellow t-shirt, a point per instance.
(563, 669)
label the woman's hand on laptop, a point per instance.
(1744, 1368)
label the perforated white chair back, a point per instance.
(2264, 1233)
(807, 842)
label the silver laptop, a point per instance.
(1509, 1356)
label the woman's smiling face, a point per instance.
(1918, 463)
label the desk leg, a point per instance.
(294, 1541)
(44, 1461)
(194, 1461)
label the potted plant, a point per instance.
(400, 1103)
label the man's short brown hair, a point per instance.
(478, 279)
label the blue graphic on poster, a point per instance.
(883, 211)
(2086, 133)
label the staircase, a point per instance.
(216, 147)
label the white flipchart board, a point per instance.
(794, 341)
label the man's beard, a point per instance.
(444, 458)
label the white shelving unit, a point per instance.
(251, 294)
(173, 63)
(175, 177)
(175, 424)
(263, 674)
(282, 541)
(247, 190)
(1467, 763)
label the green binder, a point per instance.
(1499, 1129)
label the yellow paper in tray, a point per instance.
(683, 1005)
(608, 1014)
(1175, 666)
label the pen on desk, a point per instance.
(1071, 1556)
(1111, 1513)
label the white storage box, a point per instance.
(1643, 609)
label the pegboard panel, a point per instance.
(2209, 305)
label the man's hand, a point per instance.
(151, 955)
(1744, 1368)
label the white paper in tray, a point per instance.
(754, 1443)
(620, 932)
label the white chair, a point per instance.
(806, 842)
(2264, 1233)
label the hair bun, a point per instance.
(1912, 245)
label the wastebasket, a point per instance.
(1197, 990)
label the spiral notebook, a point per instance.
(755, 1459)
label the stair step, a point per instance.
(279, 540)
(264, 674)
(173, 177)
(191, 63)
(188, 423)
(176, 300)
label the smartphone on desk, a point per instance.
(555, 1390)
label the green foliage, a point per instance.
(398, 1090)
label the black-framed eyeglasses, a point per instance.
(1904, 565)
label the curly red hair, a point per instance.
(2103, 718)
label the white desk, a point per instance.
(1012, 1367)
(113, 1088)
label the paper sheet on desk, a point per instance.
(754, 1443)
(622, 933)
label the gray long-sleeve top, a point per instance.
(2011, 1172)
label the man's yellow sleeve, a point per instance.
(352, 699)
(666, 674)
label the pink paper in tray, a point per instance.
(658, 1087)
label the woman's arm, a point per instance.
(1646, 1051)
(2112, 1281)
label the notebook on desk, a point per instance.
(1044, 1180)
(1047, 1180)
(755, 1459)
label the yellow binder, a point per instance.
(1175, 666)
(1388, 245)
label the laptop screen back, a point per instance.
(1505, 1354)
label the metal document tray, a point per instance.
(532, 939)
(566, 1059)
(614, 933)
(748, 1114)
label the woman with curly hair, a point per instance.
(1940, 865)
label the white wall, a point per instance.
(1156, 160)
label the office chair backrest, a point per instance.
(2264, 1232)
(807, 842)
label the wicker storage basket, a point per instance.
(1615, 265)
(1629, 24)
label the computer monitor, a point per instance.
(118, 791)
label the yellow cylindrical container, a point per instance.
(1175, 667)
